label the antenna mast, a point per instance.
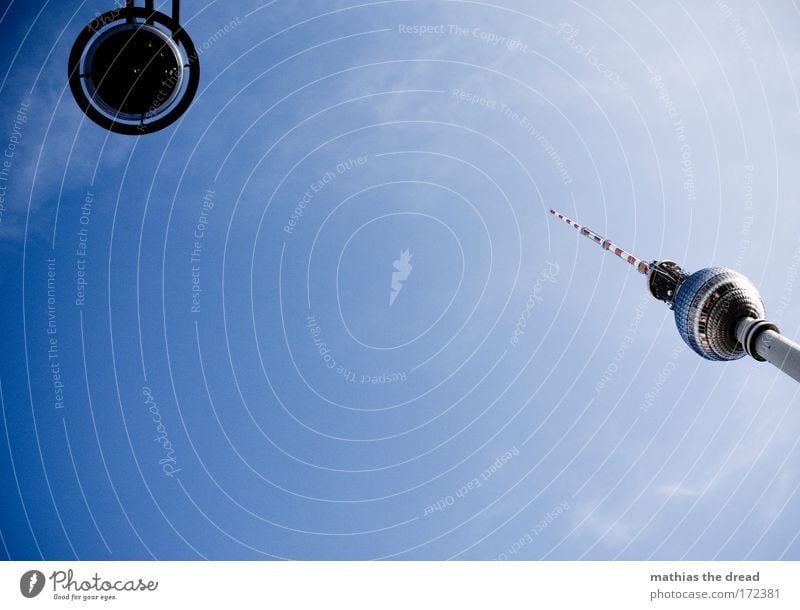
(607, 244)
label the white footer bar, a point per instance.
(400, 585)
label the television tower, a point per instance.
(718, 311)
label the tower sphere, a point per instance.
(708, 305)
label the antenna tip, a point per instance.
(552, 211)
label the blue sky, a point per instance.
(522, 398)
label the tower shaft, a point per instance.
(763, 341)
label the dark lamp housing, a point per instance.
(133, 70)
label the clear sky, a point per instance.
(326, 314)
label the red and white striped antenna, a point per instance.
(607, 244)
